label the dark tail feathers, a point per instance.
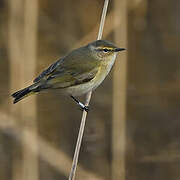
(21, 94)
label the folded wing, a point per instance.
(71, 70)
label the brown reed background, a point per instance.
(133, 128)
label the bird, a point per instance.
(80, 71)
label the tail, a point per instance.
(21, 94)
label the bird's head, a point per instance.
(103, 49)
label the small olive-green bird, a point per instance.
(77, 73)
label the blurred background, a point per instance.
(133, 128)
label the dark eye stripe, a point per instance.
(105, 50)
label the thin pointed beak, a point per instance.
(119, 49)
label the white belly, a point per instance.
(81, 89)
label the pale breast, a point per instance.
(81, 89)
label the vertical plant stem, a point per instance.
(103, 17)
(15, 10)
(119, 94)
(29, 108)
(22, 40)
(88, 97)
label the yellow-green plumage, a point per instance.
(78, 72)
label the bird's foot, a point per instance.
(85, 108)
(82, 106)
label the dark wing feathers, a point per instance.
(48, 71)
(71, 70)
(70, 78)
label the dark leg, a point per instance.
(83, 107)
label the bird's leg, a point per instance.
(83, 107)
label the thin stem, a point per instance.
(88, 97)
(103, 17)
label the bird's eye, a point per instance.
(105, 50)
